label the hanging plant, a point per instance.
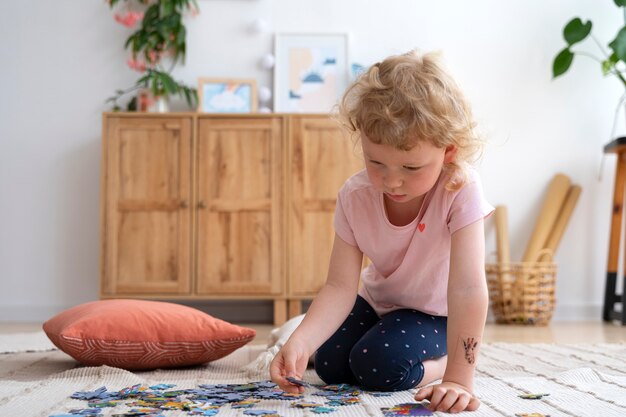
(159, 39)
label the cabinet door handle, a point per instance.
(183, 204)
(201, 204)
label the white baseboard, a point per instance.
(570, 312)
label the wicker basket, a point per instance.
(522, 292)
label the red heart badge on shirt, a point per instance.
(421, 227)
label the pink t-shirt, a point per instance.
(410, 264)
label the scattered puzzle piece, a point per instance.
(322, 410)
(533, 396)
(206, 400)
(407, 409)
(297, 382)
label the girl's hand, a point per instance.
(448, 397)
(290, 361)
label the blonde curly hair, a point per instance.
(409, 98)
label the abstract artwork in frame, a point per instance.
(311, 72)
(226, 95)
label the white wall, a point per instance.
(60, 60)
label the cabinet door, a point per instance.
(239, 206)
(321, 158)
(146, 192)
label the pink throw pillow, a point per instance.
(142, 335)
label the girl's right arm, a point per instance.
(329, 309)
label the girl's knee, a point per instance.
(385, 373)
(331, 369)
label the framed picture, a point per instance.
(311, 72)
(226, 95)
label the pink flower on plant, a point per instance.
(145, 101)
(136, 64)
(153, 56)
(129, 19)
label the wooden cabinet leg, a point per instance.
(295, 308)
(280, 312)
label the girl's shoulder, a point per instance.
(357, 182)
(358, 191)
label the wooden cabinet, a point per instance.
(147, 214)
(240, 231)
(320, 160)
(199, 206)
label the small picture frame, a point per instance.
(227, 95)
(311, 71)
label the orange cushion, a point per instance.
(139, 335)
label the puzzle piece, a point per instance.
(322, 410)
(533, 396)
(297, 382)
(269, 413)
(407, 409)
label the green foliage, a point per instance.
(576, 31)
(161, 33)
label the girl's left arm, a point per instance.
(467, 311)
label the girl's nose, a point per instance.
(392, 181)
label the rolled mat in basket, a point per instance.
(556, 234)
(559, 186)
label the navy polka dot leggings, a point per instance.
(381, 354)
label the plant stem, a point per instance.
(600, 46)
(613, 71)
(598, 60)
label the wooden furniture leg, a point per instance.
(280, 312)
(609, 313)
(295, 308)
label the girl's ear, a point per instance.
(450, 154)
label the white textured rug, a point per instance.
(582, 380)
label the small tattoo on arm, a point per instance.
(469, 345)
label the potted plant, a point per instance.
(159, 39)
(576, 31)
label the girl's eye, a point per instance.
(375, 162)
(412, 168)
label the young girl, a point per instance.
(416, 212)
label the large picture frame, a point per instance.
(311, 71)
(227, 95)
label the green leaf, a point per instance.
(562, 62)
(620, 3)
(182, 33)
(575, 31)
(618, 45)
(609, 64)
(168, 9)
(168, 82)
(606, 67)
(132, 104)
(150, 14)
